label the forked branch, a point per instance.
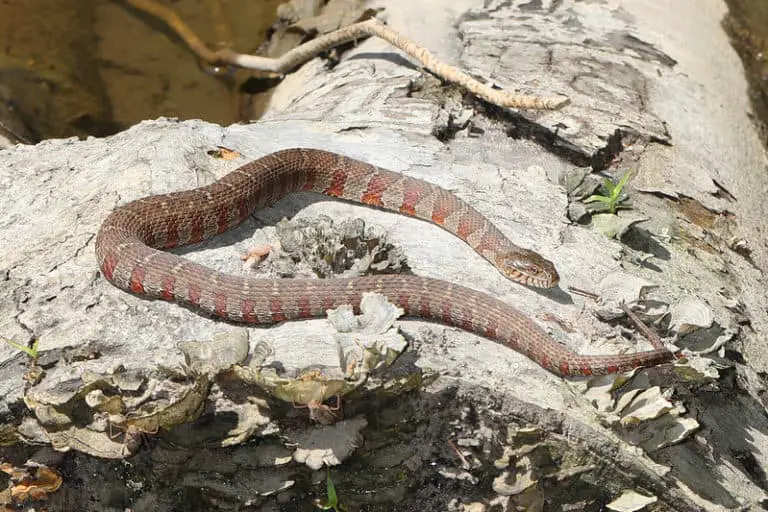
(360, 30)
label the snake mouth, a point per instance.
(543, 283)
(547, 281)
(544, 280)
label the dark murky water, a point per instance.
(147, 72)
(74, 67)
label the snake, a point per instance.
(132, 242)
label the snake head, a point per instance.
(529, 268)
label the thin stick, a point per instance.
(646, 331)
(651, 336)
(583, 293)
(310, 49)
(169, 16)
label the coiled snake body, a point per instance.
(128, 243)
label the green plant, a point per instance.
(30, 351)
(332, 503)
(613, 198)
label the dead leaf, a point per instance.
(224, 153)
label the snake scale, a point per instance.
(130, 243)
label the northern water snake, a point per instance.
(129, 243)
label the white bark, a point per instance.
(660, 73)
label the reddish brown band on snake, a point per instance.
(128, 242)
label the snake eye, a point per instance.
(530, 269)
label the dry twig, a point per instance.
(646, 331)
(583, 293)
(363, 29)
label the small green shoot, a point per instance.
(332, 503)
(30, 351)
(612, 201)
